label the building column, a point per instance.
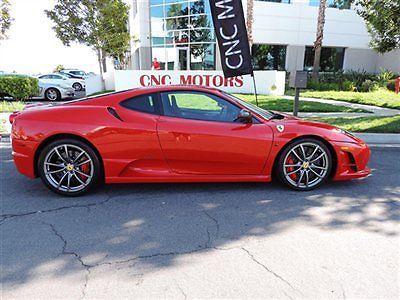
(294, 58)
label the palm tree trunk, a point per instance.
(100, 60)
(249, 22)
(318, 39)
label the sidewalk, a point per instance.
(375, 111)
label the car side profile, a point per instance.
(77, 84)
(54, 92)
(178, 134)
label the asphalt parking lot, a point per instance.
(178, 241)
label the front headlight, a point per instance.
(343, 131)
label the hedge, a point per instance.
(19, 87)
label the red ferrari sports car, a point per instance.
(177, 134)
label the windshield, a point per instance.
(262, 112)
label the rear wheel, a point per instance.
(69, 167)
(77, 86)
(304, 164)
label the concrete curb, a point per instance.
(380, 138)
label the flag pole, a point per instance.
(255, 87)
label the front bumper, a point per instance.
(352, 160)
(67, 93)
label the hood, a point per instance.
(295, 127)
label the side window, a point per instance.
(142, 103)
(56, 77)
(199, 106)
(44, 77)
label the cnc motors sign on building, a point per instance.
(268, 82)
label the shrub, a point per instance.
(391, 85)
(348, 85)
(384, 77)
(369, 86)
(359, 78)
(322, 86)
(19, 87)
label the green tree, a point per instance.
(383, 23)
(59, 68)
(5, 18)
(99, 24)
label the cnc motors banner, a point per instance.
(268, 82)
(230, 29)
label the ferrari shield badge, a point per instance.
(280, 127)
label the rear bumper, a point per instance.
(23, 156)
(352, 160)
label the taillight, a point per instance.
(12, 116)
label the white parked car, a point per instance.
(55, 78)
(75, 72)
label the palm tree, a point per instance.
(318, 39)
(5, 18)
(249, 22)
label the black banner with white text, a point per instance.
(230, 29)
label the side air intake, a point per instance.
(114, 113)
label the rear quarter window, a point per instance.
(142, 103)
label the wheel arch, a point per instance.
(316, 137)
(55, 137)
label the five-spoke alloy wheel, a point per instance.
(304, 164)
(69, 167)
(77, 86)
(52, 94)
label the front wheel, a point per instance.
(52, 94)
(304, 164)
(69, 167)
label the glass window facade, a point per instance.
(268, 57)
(277, 1)
(182, 34)
(341, 4)
(331, 59)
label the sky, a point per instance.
(32, 46)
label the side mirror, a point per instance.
(245, 116)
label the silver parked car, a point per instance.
(55, 92)
(56, 78)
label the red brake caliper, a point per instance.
(85, 169)
(290, 169)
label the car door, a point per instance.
(133, 148)
(58, 79)
(199, 134)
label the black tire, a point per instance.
(57, 159)
(52, 94)
(77, 86)
(308, 167)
